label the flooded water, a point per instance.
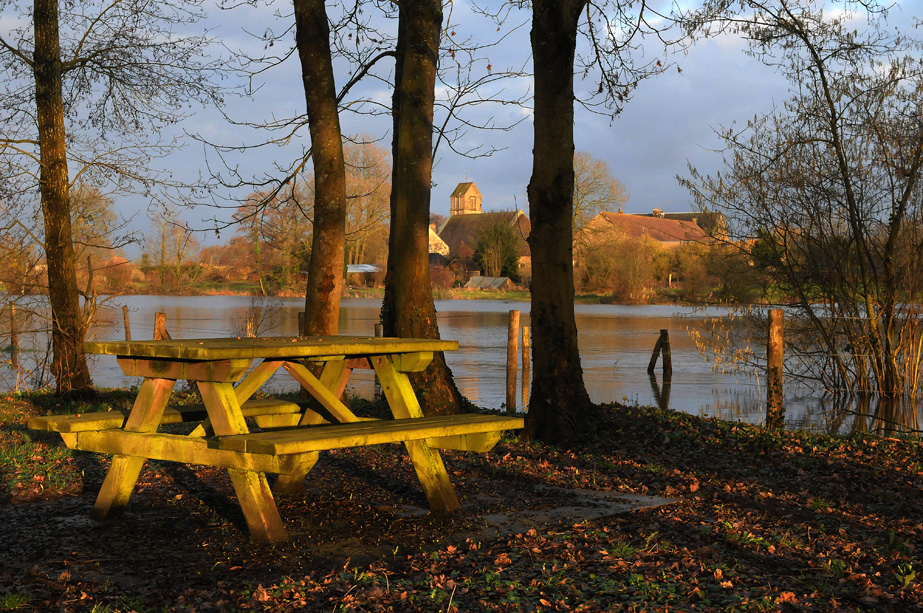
(615, 342)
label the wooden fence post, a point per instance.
(662, 346)
(379, 331)
(160, 327)
(775, 408)
(300, 323)
(250, 333)
(512, 366)
(14, 338)
(525, 367)
(127, 322)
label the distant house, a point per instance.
(366, 275)
(436, 244)
(478, 282)
(669, 233)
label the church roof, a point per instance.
(464, 230)
(461, 189)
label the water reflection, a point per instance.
(661, 393)
(881, 416)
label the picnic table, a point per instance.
(292, 434)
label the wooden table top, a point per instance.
(267, 347)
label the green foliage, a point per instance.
(624, 268)
(13, 601)
(905, 574)
(497, 252)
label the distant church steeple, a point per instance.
(465, 200)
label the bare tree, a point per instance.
(368, 188)
(824, 192)
(84, 76)
(173, 249)
(595, 189)
(277, 232)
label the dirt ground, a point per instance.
(662, 512)
(184, 530)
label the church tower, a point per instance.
(465, 200)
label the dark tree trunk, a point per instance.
(408, 309)
(560, 406)
(69, 363)
(325, 272)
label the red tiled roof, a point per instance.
(656, 228)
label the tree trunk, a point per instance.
(69, 363)
(560, 406)
(408, 309)
(325, 271)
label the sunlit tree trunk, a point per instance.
(69, 363)
(408, 309)
(325, 272)
(560, 404)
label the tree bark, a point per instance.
(69, 364)
(325, 271)
(408, 309)
(560, 407)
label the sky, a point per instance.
(669, 122)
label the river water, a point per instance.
(615, 345)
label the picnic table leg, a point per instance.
(426, 461)
(120, 480)
(258, 505)
(293, 483)
(320, 392)
(333, 377)
(252, 488)
(257, 377)
(117, 487)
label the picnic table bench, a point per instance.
(293, 432)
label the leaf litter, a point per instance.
(661, 511)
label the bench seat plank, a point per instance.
(107, 420)
(179, 448)
(338, 436)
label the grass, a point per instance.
(13, 601)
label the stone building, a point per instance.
(460, 232)
(465, 200)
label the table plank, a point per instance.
(115, 418)
(267, 347)
(179, 448)
(362, 433)
(211, 370)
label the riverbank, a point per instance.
(760, 521)
(456, 293)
